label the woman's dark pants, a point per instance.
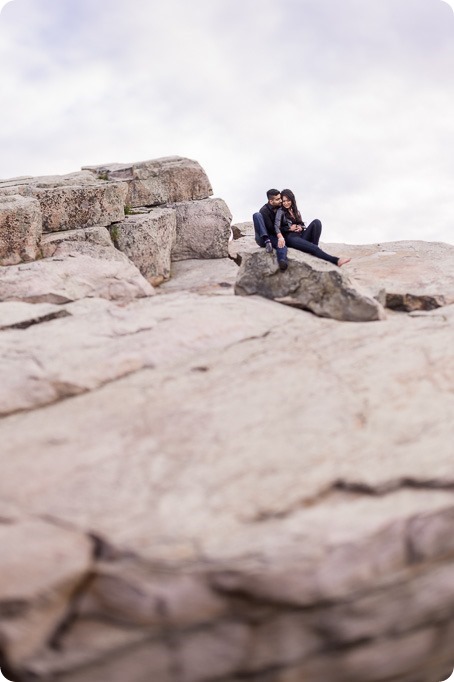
(308, 240)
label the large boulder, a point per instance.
(71, 201)
(159, 181)
(308, 283)
(147, 239)
(203, 229)
(20, 229)
(96, 272)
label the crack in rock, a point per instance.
(354, 488)
(26, 324)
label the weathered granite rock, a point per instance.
(336, 564)
(76, 270)
(147, 240)
(51, 244)
(416, 275)
(268, 495)
(159, 181)
(308, 283)
(20, 229)
(71, 201)
(203, 229)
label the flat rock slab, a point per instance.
(308, 283)
(71, 201)
(416, 275)
(208, 277)
(274, 502)
(101, 342)
(159, 181)
(89, 270)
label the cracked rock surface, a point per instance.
(211, 488)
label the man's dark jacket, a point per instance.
(268, 216)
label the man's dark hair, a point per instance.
(272, 193)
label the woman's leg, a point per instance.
(313, 232)
(295, 241)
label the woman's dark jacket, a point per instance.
(283, 221)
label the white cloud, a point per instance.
(450, 3)
(347, 104)
(3, 3)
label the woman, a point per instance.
(297, 235)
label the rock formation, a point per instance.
(203, 487)
(308, 283)
(166, 202)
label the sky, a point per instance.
(349, 103)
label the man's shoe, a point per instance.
(283, 265)
(268, 246)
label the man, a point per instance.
(265, 233)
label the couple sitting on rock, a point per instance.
(278, 225)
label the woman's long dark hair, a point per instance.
(289, 194)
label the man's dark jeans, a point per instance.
(261, 235)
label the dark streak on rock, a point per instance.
(39, 320)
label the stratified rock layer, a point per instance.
(159, 181)
(71, 201)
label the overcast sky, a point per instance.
(347, 102)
